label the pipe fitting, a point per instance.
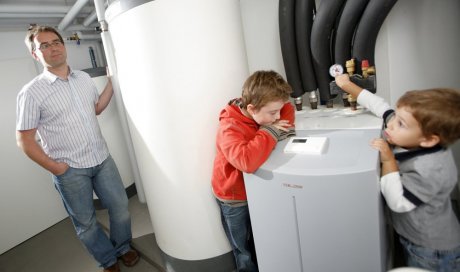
(352, 101)
(298, 101)
(313, 98)
(350, 64)
(345, 99)
(364, 68)
(104, 26)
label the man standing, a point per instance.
(61, 106)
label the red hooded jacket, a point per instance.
(241, 147)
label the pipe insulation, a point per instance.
(286, 19)
(321, 37)
(367, 31)
(346, 27)
(304, 13)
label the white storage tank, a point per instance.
(179, 62)
(110, 125)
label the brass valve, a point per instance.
(350, 65)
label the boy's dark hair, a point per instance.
(437, 111)
(263, 87)
(33, 31)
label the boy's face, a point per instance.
(268, 114)
(403, 130)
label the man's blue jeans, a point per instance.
(237, 226)
(431, 259)
(76, 189)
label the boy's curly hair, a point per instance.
(436, 110)
(263, 87)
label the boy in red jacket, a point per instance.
(249, 129)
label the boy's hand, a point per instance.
(342, 80)
(280, 130)
(282, 125)
(385, 151)
(387, 157)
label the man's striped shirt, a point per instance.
(63, 112)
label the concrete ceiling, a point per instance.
(17, 15)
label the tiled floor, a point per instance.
(58, 248)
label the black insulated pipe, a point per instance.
(288, 46)
(368, 28)
(304, 13)
(346, 27)
(321, 36)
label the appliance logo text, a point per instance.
(295, 186)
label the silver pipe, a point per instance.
(111, 63)
(5, 8)
(31, 15)
(79, 28)
(91, 18)
(82, 36)
(72, 14)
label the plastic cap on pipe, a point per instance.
(364, 64)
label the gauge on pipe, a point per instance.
(335, 70)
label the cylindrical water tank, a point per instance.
(109, 122)
(179, 62)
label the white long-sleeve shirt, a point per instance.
(390, 184)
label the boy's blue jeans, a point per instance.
(430, 259)
(76, 189)
(237, 226)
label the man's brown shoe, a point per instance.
(113, 268)
(130, 258)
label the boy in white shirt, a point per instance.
(419, 171)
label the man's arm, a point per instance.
(26, 141)
(104, 98)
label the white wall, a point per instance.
(28, 201)
(421, 39)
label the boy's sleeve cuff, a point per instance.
(273, 131)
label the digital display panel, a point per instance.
(301, 141)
